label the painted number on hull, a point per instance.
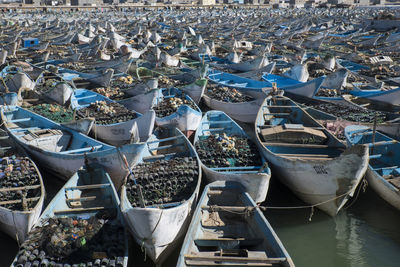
(320, 169)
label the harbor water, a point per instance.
(364, 234)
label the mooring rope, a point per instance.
(249, 209)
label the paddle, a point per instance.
(139, 188)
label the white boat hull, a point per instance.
(185, 119)
(244, 112)
(122, 133)
(256, 184)
(318, 181)
(383, 188)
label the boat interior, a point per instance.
(383, 152)
(32, 130)
(219, 123)
(167, 143)
(32, 192)
(91, 192)
(230, 232)
(289, 131)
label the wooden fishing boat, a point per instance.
(297, 145)
(259, 88)
(219, 126)
(196, 89)
(13, 79)
(61, 150)
(180, 111)
(159, 226)
(101, 78)
(141, 103)
(388, 97)
(228, 229)
(18, 222)
(256, 74)
(52, 87)
(88, 198)
(383, 171)
(116, 133)
(244, 111)
(336, 80)
(250, 65)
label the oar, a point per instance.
(139, 188)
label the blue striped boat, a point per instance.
(62, 150)
(257, 88)
(228, 229)
(87, 195)
(383, 172)
(255, 179)
(116, 133)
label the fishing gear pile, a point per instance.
(226, 94)
(17, 173)
(164, 181)
(53, 112)
(221, 150)
(74, 241)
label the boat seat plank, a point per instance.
(376, 156)
(295, 145)
(165, 147)
(304, 155)
(82, 210)
(277, 114)
(23, 129)
(19, 120)
(210, 242)
(253, 257)
(165, 139)
(30, 187)
(7, 202)
(213, 263)
(215, 122)
(87, 187)
(83, 149)
(228, 208)
(385, 168)
(215, 129)
(382, 143)
(236, 168)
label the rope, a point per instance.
(248, 210)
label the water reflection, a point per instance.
(366, 234)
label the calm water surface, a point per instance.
(365, 234)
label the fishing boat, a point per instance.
(388, 97)
(14, 78)
(196, 89)
(62, 150)
(257, 88)
(228, 229)
(52, 87)
(312, 162)
(383, 172)
(89, 203)
(17, 216)
(245, 66)
(219, 138)
(158, 224)
(115, 133)
(176, 109)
